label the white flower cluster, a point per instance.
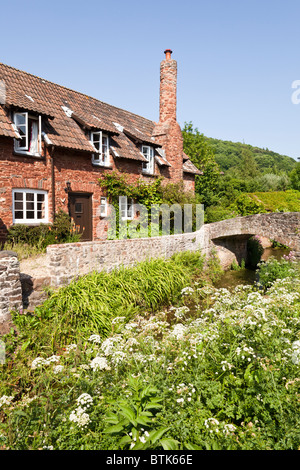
(5, 400)
(99, 363)
(178, 331)
(185, 391)
(40, 361)
(212, 424)
(95, 339)
(296, 352)
(181, 311)
(245, 351)
(79, 415)
(142, 438)
(71, 347)
(58, 369)
(187, 291)
(226, 365)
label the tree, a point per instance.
(249, 168)
(295, 177)
(198, 150)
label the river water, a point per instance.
(232, 278)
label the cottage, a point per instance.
(55, 143)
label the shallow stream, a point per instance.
(232, 278)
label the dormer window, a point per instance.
(148, 152)
(100, 142)
(29, 129)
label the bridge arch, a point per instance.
(230, 236)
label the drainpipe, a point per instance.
(52, 181)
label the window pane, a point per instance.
(19, 215)
(78, 208)
(18, 196)
(41, 197)
(20, 119)
(29, 214)
(18, 205)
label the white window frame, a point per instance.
(103, 206)
(148, 152)
(25, 149)
(34, 220)
(126, 208)
(101, 157)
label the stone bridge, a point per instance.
(231, 235)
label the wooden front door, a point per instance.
(80, 209)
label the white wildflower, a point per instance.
(95, 339)
(57, 369)
(80, 417)
(37, 362)
(70, 347)
(99, 363)
(85, 399)
(5, 400)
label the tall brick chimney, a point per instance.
(167, 131)
(168, 88)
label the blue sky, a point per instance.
(237, 59)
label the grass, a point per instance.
(92, 302)
(23, 250)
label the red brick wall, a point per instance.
(18, 171)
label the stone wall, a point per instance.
(10, 288)
(69, 261)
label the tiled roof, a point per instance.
(70, 115)
(189, 167)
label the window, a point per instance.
(148, 152)
(30, 206)
(29, 128)
(103, 207)
(126, 208)
(100, 142)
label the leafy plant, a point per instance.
(134, 420)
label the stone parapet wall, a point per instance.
(69, 261)
(10, 288)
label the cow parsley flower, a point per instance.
(95, 339)
(80, 417)
(99, 363)
(5, 400)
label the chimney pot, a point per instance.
(168, 53)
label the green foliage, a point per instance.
(200, 153)
(254, 251)
(228, 155)
(147, 194)
(134, 420)
(225, 379)
(272, 269)
(295, 177)
(93, 301)
(279, 201)
(245, 205)
(40, 236)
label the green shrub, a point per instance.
(40, 236)
(272, 269)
